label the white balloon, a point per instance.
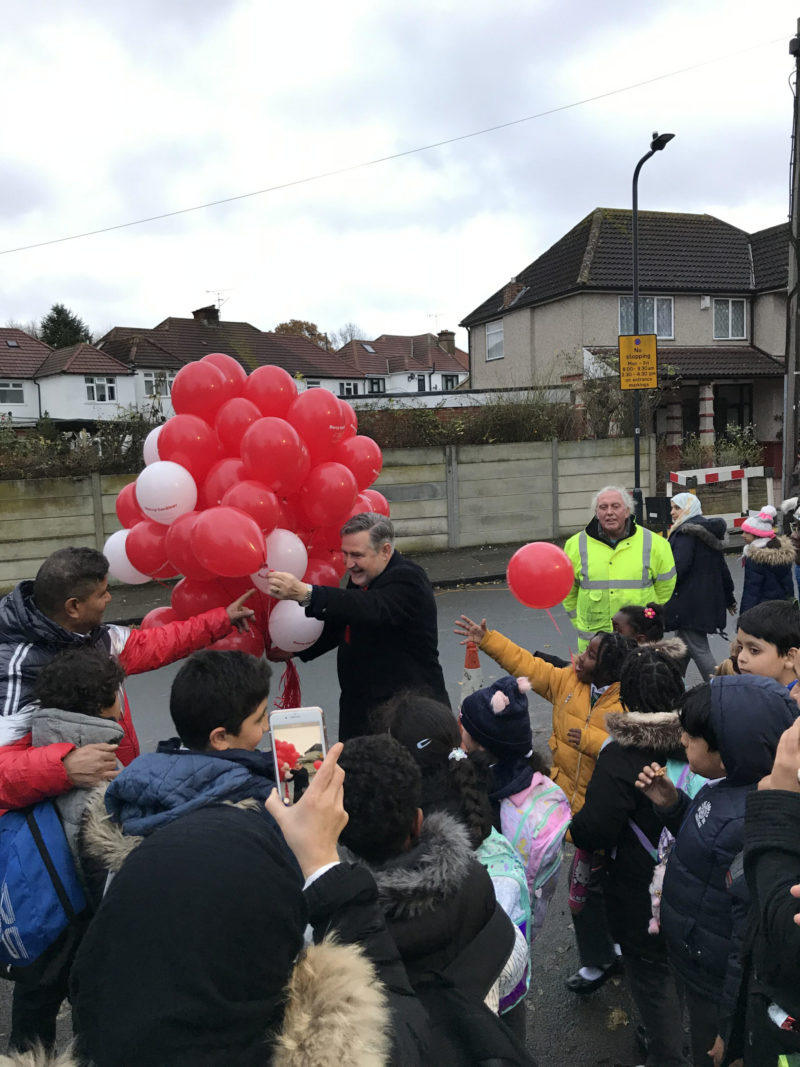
(261, 579)
(119, 566)
(150, 446)
(165, 490)
(291, 629)
(285, 552)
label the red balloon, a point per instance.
(272, 390)
(128, 510)
(272, 455)
(540, 574)
(321, 572)
(190, 441)
(224, 474)
(338, 563)
(145, 544)
(232, 420)
(232, 371)
(199, 389)
(325, 539)
(190, 597)
(158, 617)
(350, 420)
(328, 493)
(378, 501)
(318, 417)
(362, 456)
(251, 641)
(179, 548)
(258, 501)
(228, 542)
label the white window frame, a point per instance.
(646, 313)
(495, 340)
(150, 377)
(312, 383)
(730, 301)
(348, 388)
(100, 383)
(449, 381)
(376, 385)
(10, 385)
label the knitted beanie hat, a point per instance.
(497, 717)
(762, 524)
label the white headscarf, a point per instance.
(689, 505)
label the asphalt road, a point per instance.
(564, 1030)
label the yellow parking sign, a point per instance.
(638, 361)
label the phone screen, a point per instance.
(297, 747)
(303, 735)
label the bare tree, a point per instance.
(350, 331)
(31, 327)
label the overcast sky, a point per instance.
(114, 111)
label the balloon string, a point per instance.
(289, 696)
(550, 614)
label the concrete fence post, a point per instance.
(556, 523)
(97, 512)
(451, 486)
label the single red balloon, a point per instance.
(540, 574)
(147, 551)
(179, 548)
(228, 542)
(158, 617)
(225, 473)
(128, 510)
(328, 493)
(378, 502)
(272, 390)
(272, 455)
(318, 417)
(233, 418)
(258, 501)
(320, 572)
(362, 456)
(199, 389)
(338, 563)
(350, 420)
(251, 641)
(190, 441)
(232, 371)
(191, 597)
(325, 539)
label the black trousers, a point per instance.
(34, 1010)
(595, 944)
(658, 1002)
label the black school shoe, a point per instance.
(576, 983)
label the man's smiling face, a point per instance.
(364, 563)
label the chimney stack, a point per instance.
(447, 341)
(208, 316)
(511, 292)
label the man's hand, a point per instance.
(656, 786)
(239, 614)
(312, 826)
(717, 1051)
(470, 630)
(91, 765)
(285, 586)
(795, 891)
(786, 768)
(574, 737)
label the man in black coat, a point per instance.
(387, 640)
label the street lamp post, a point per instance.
(656, 145)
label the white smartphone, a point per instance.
(304, 730)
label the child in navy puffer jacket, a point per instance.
(731, 730)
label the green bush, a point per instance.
(47, 452)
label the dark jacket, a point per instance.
(749, 714)
(704, 587)
(387, 638)
(603, 823)
(768, 573)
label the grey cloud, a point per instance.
(21, 191)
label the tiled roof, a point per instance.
(23, 359)
(136, 349)
(677, 253)
(82, 358)
(771, 257)
(709, 362)
(397, 352)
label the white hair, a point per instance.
(627, 499)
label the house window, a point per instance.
(494, 339)
(13, 344)
(312, 383)
(377, 385)
(12, 393)
(729, 320)
(158, 381)
(655, 315)
(348, 388)
(101, 390)
(449, 381)
(420, 383)
(733, 406)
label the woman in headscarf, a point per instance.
(704, 587)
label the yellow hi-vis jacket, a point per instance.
(638, 569)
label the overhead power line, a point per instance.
(394, 155)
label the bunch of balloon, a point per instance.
(246, 477)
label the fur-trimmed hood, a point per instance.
(421, 879)
(671, 646)
(661, 731)
(709, 529)
(772, 557)
(336, 1013)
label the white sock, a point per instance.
(591, 974)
